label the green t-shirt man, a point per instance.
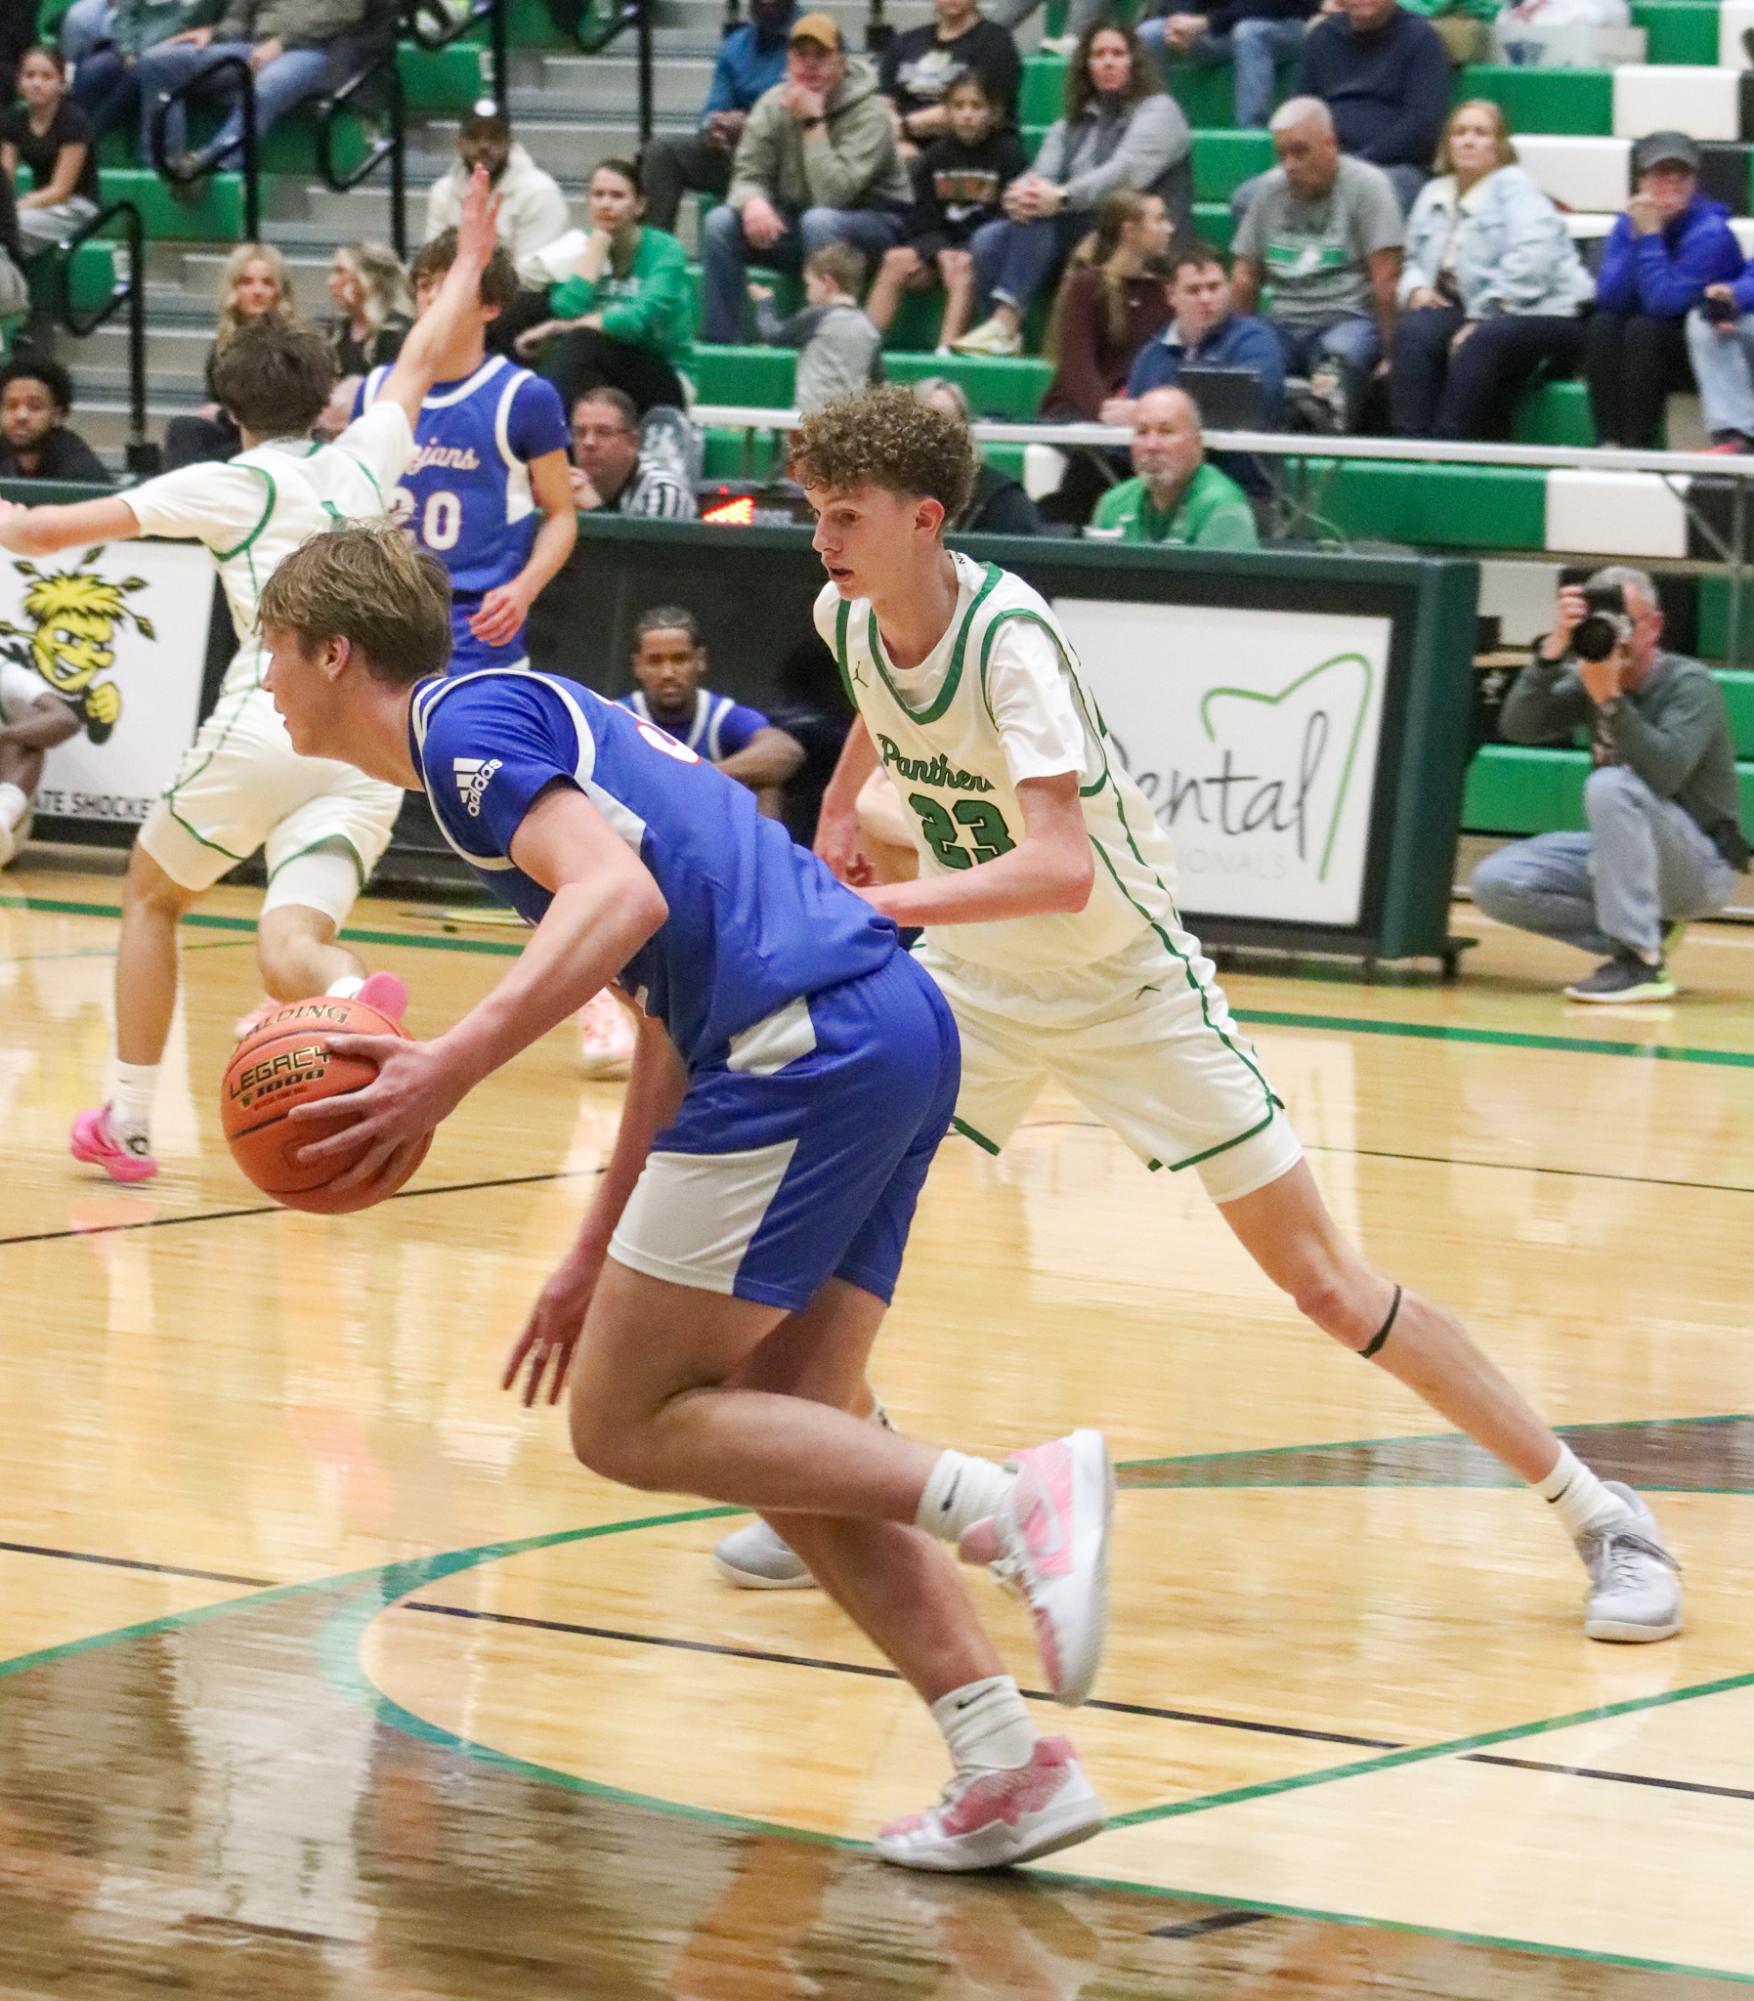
(1213, 513)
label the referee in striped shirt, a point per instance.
(609, 476)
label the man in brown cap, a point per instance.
(817, 164)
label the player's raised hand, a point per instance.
(479, 222)
(416, 1087)
(552, 1330)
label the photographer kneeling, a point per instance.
(1665, 841)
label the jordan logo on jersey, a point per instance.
(473, 776)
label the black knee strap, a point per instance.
(1382, 1333)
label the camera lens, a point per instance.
(1596, 637)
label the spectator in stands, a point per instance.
(106, 72)
(1720, 341)
(1121, 129)
(1383, 74)
(1670, 242)
(532, 209)
(816, 165)
(293, 47)
(1463, 26)
(1665, 839)
(1175, 497)
(1109, 306)
(959, 181)
(1254, 35)
(997, 505)
(609, 474)
(839, 350)
(918, 68)
(1325, 231)
(624, 315)
(36, 399)
(374, 307)
(1490, 291)
(751, 61)
(669, 661)
(1081, 17)
(14, 291)
(52, 136)
(255, 282)
(1205, 331)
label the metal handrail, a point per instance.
(251, 174)
(879, 33)
(391, 145)
(129, 291)
(430, 25)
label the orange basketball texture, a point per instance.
(285, 1063)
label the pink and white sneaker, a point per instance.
(989, 1820)
(606, 1038)
(1049, 1544)
(94, 1138)
(386, 993)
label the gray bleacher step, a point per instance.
(610, 83)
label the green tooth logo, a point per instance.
(1313, 743)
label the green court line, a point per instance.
(1345, 1024)
(1416, 1754)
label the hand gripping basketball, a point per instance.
(391, 1118)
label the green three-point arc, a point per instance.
(1272, 701)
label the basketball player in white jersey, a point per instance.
(1045, 886)
(242, 787)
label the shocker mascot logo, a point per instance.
(71, 638)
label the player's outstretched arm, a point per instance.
(837, 823)
(605, 906)
(1051, 870)
(47, 722)
(416, 367)
(45, 531)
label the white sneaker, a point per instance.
(758, 1558)
(1635, 1584)
(989, 1820)
(989, 338)
(606, 1038)
(1049, 1542)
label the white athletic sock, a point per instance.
(13, 804)
(986, 1724)
(1579, 1498)
(959, 1492)
(344, 988)
(131, 1106)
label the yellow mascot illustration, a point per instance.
(71, 638)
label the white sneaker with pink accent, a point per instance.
(1049, 1543)
(989, 1819)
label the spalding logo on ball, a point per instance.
(283, 1063)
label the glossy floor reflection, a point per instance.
(325, 1672)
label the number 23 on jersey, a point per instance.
(982, 820)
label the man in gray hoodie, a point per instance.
(817, 164)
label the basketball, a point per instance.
(285, 1063)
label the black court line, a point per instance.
(278, 1209)
(1219, 1921)
(1452, 1160)
(868, 1672)
(1617, 1778)
(135, 1563)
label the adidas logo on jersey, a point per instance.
(473, 776)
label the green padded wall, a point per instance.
(1544, 100)
(1678, 31)
(1434, 506)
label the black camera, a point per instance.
(1719, 312)
(1604, 625)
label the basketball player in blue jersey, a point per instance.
(794, 1075)
(488, 491)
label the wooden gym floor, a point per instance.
(324, 1672)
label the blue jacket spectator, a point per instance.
(1383, 74)
(1664, 250)
(751, 60)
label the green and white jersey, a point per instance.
(1002, 698)
(255, 509)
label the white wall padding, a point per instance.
(1615, 513)
(1044, 470)
(1520, 596)
(1580, 173)
(1677, 97)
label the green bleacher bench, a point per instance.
(1554, 413)
(1515, 789)
(1431, 506)
(1224, 160)
(1543, 100)
(215, 216)
(90, 282)
(448, 79)
(762, 378)
(291, 144)
(1678, 31)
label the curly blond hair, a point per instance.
(885, 437)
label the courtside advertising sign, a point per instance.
(1254, 736)
(120, 632)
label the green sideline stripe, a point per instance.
(1340, 1024)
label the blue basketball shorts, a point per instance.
(801, 1158)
